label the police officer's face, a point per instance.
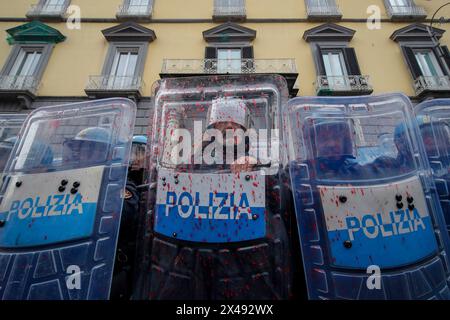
(137, 160)
(84, 152)
(429, 142)
(229, 128)
(331, 146)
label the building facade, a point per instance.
(121, 47)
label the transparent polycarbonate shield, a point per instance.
(215, 170)
(366, 207)
(61, 201)
(433, 117)
(10, 125)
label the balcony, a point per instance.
(141, 13)
(432, 86)
(408, 12)
(114, 86)
(198, 67)
(47, 11)
(19, 84)
(229, 10)
(316, 11)
(22, 88)
(343, 85)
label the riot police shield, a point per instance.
(62, 199)
(10, 125)
(369, 223)
(216, 212)
(433, 117)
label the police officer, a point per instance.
(334, 150)
(125, 265)
(403, 162)
(204, 269)
(137, 160)
(231, 117)
(89, 147)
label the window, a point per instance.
(124, 64)
(25, 67)
(229, 60)
(48, 9)
(53, 6)
(336, 63)
(138, 6)
(404, 9)
(32, 44)
(335, 69)
(428, 63)
(399, 3)
(26, 63)
(327, 9)
(139, 10)
(123, 69)
(229, 9)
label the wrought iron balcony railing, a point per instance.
(405, 12)
(231, 66)
(322, 9)
(229, 9)
(343, 84)
(19, 83)
(114, 83)
(436, 83)
(47, 10)
(133, 11)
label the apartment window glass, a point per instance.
(138, 6)
(334, 63)
(24, 67)
(123, 68)
(26, 63)
(230, 3)
(229, 60)
(321, 3)
(428, 63)
(53, 5)
(399, 3)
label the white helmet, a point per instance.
(228, 110)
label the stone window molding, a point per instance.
(420, 38)
(128, 12)
(30, 37)
(44, 11)
(333, 38)
(229, 32)
(128, 37)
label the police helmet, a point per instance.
(228, 109)
(139, 140)
(332, 138)
(94, 134)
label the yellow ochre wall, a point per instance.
(84, 51)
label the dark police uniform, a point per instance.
(124, 266)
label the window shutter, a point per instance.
(446, 52)
(352, 62)
(320, 64)
(247, 52)
(210, 53)
(412, 62)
